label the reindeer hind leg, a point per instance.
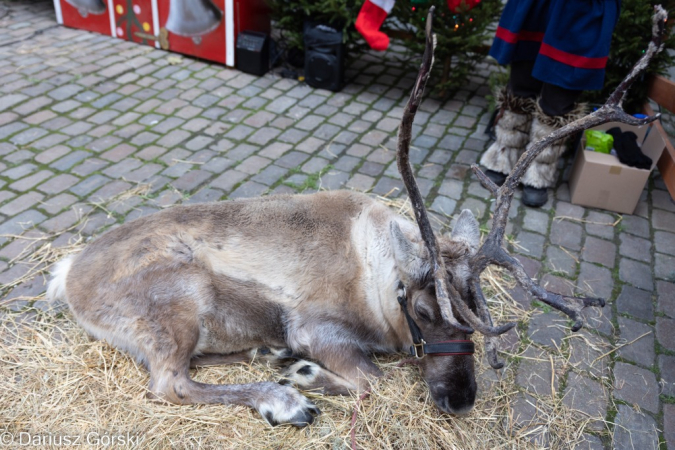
(170, 380)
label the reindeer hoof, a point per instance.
(283, 405)
(301, 374)
(275, 355)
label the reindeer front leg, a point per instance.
(341, 366)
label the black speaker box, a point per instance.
(324, 56)
(253, 52)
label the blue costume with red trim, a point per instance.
(569, 40)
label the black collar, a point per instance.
(420, 348)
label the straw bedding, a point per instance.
(56, 384)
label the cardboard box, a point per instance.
(601, 181)
(203, 28)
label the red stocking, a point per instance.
(369, 21)
(460, 5)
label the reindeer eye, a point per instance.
(423, 315)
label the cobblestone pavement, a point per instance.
(84, 117)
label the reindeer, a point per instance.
(325, 279)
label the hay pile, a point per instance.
(55, 383)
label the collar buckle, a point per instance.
(417, 349)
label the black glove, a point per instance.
(625, 144)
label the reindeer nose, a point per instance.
(459, 408)
(458, 402)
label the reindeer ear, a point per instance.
(466, 229)
(408, 255)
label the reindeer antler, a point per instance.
(492, 251)
(448, 297)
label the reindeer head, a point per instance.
(445, 295)
(450, 377)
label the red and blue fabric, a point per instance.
(569, 40)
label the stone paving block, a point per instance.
(228, 180)
(664, 266)
(600, 224)
(665, 332)
(89, 185)
(557, 284)
(595, 281)
(64, 220)
(666, 364)
(635, 247)
(178, 169)
(248, 189)
(664, 242)
(360, 182)
(270, 175)
(523, 411)
(635, 385)
(589, 353)
(535, 372)
(451, 188)
(637, 225)
(636, 302)
(669, 424)
(590, 442)
(444, 205)
(28, 136)
(21, 247)
(18, 172)
(599, 251)
(531, 266)
(636, 273)
(638, 342)
(143, 173)
(21, 203)
(30, 181)
(547, 329)
(58, 203)
(587, 397)
(191, 180)
(69, 160)
(634, 430)
(559, 260)
(89, 166)
(530, 244)
(663, 220)
(392, 187)
(8, 101)
(566, 234)
(253, 164)
(334, 179)
(292, 159)
(665, 298)
(205, 196)
(58, 184)
(122, 168)
(536, 221)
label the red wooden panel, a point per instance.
(133, 20)
(91, 15)
(198, 31)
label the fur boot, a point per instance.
(542, 171)
(512, 131)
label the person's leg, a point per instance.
(521, 82)
(556, 108)
(515, 104)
